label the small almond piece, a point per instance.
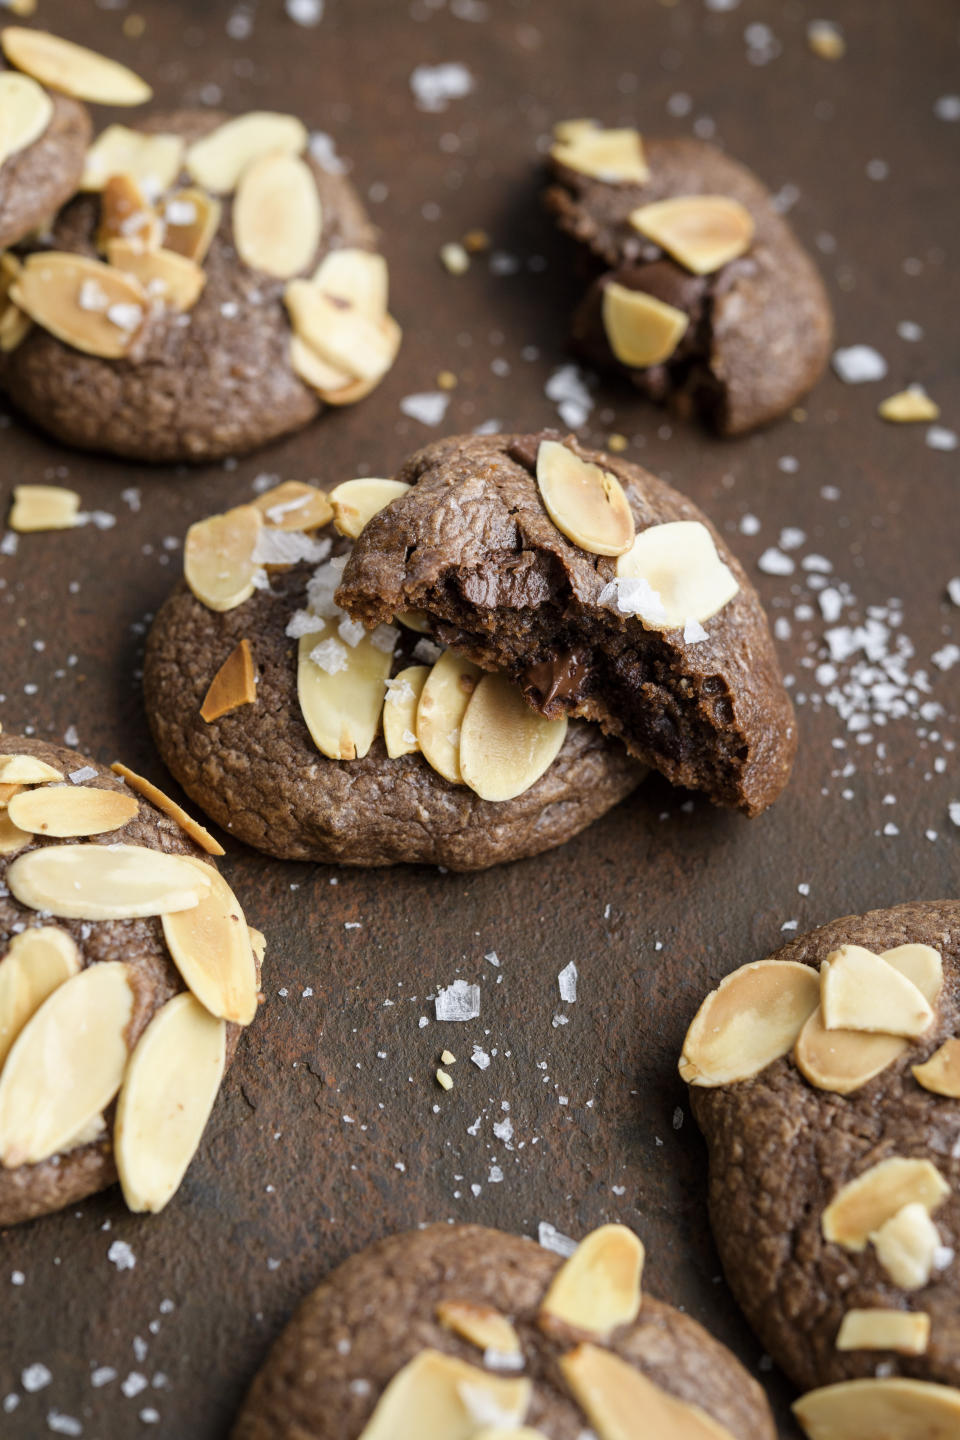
(355, 502)
(941, 1073)
(443, 703)
(905, 1331)
(864, 1204)
(826, 40)
(358, 276)
(921, 964)
(277, 217)
(752, 1018)
(400, 711)
(479, 1325)
(210, 946)
(71, 810)
(341, 334)
(218, 562)
(218, 160)
(165, 1101)
(341, 699)
(325, 379)
(190, 220)
(233, 685)
(842, 1060)
(126, 214)
(91, 306)
(505, 746)
(197, 833)
(892, 1409)
(167, 278)
(613, 1396)
(909, 406)
(598, 1288)
(861, 991)
(72, 68)
(153, 161)
(295, 506)
(26, 770)
(391, 336)
(680, 563)
(614, 156)
(586, 504)
(907, 1245)
(36, 963)
(641, 329)
(43, 507)
(436, 1397)
(105, 882)
(25, 112)
(703, 232)
(12, 838)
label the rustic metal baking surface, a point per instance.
(331, 1130)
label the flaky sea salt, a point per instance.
(459, 1001)
(774, 562)
(429, 406)
(434, 86)
(567, 981)
(568, 390)
(553, 1239)
(858, 364)
(693, 633)
(121, 1255)
(301, 622)
(288, 547)
(35, 1377)
(330, 655)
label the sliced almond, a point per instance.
(391, 336)
(358, 276)
(12, 838)
(598, 1288)
(355, 502)
(94, 1129)
(842, 1060)
(36, 963)
(218, 160)
(417, 620)
(277, 217)
(66, 1064)
(613, 1395)
(151, 792)
(906, 1246)
(258, 943)
(7, 793)
(218, 562)
(436, 1397)
(909, 406)
(941, 1073)
(25, 112)
(153, 161)
(703, 232)
(315, 372)
(91, 306)
(43, 507)
(165, 1101)
(341, 692)
(861, 991)
(614, 156)
(190, 221)
(210, 946)
(167, 278)
(126, 214)
(479, 1325)
(680, 565)
(891, 1409)
(586, 504)
(865, 1204)
(752, 1018)
(295, 506)
(443, 703)
(26, 770)
(234, 684)
(504, 745)
(341, 334)
(641, 329)
(71, 810)
(106, 882)
(921, 964)
(72, 68)
(400, 710)
(905, 1331)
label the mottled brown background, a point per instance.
(660, 899)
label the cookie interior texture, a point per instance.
(36, 181)
(377, 1311)
(472, 545)
(760, 327)
(780, 1150)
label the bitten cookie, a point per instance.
(306, 737)
(826, 1082)
(700, 291)
(460, 1333)
(213, 291)
(126, 974)
(600, 591)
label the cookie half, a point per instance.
(699, 291)
(456, 1330)
(127, 972)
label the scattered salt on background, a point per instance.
(858, 364)
(553, 1239)
(567, 981)
(459, 1001)
(429, 406)
(434, 86)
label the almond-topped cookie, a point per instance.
(456, 1332)
(127, 972)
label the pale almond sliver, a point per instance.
(358, 276)
(295, 505)
(37, 961)
(322, 377)
(217, 161)
(277, 216)
(26, 770)
(167, 278)
(703, 232)
(155, 795)
(93, 307)
(341, 699)
(72, 68)
(355, 502)
(612, 1395)
(153, 161)
(587, 504)
(218, 563)
(12, 838)
(105, 882)
(641, 330)
(436, 1396)
(598, 1288)
(210, 945)
(341, 335)
(752, 1019)
(400, 711)
(443, 703)
(505, 746)
(43, 507)
(480, 1325)
(63, 811)
(25, 112)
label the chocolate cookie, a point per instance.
(829, 1103)
(127, 972)
(600, 591)
(699, 290)
(213, 292)
(299, 763)
(452, 1329)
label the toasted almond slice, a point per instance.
(861, 991)
(504, 745)
(891, 1409)
(826, 40)
(7, 793)
(842, 1060)
(358, 276)
(479, 1325)
(167, 278)
(66, 1064)
(355, 502)
(598, 1288)
(905, 1331)
(218, 562)
(414, 620)
(586, 504)
(151, 792)
(105, 882)
(190, 221)
(752, 1018)
(26, 770)
(211, 948)
(126, 214)
(94, 1129)
(295, 506)
(258, 943)
(443, 703)
(72, 68)
(71, 810)
(612, 1395)
(614, 156)
(25, 112)
(234, 684)
(165, 1101)
(641, 329)
(315, 372)
(909, 406)
(153, 161)
(340, 334)
(922, 965)
(907, 1245)
(91, 306)
(43, 507)
(218, 160)
(680, 565)
(436, 1397)
(341, 692)
(12, 838)
(277, 216)
(36, 962)
(864, 1204)
(355, 390)
(941, 1073)
(703, 232)
(400, 710)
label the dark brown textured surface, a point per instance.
(36, 181)
(285, 1187)
(383, 1303)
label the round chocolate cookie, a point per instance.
(450, 1329)
(834, 1143)
(740, 327)
(92, 1002)
(37, 179)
